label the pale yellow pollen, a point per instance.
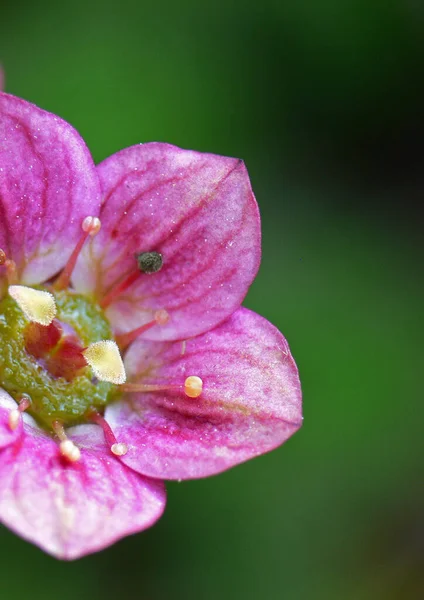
(91, 225)
(14, 418)
(119, 449)
(69, 450)
(105, 360)
(38, 306)
(193, 386)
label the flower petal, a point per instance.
(199, 212)
(48, 184)
(70, 510)
(7, 435)
(251, 400)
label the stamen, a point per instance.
(67, 447)
(124, 284)
(11, 271)
(105, 360)
(70, 451)
(147, 262)
(124, 339)
(15, 414)
(37, 305)
(90, 226)
(193, 387)
(117, 448)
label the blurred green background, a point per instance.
(324, 100)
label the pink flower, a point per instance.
(153, 249)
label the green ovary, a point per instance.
(53, 398)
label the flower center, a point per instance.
(46, 362)
(57, 358)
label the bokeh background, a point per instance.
(324, 99)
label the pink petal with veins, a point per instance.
(251, 400)
(70, 510)
(48, 185)
(199, 212)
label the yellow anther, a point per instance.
(119, 449)
(14, 418)
(38, 306)
(105, 360)
(91, 225)
(193, 386)
(15, 414)
(69, 450)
